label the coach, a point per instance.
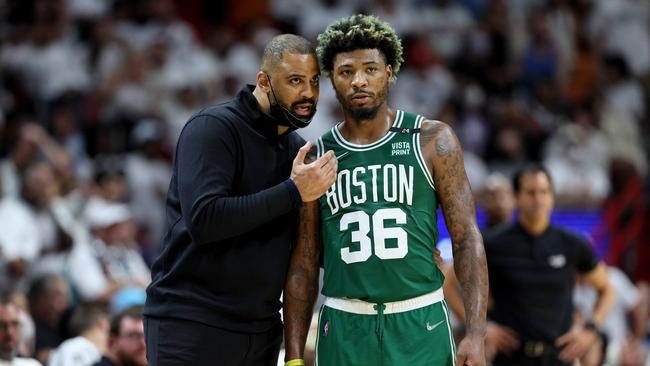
(238, 177)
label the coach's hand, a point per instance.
(471, 351)
(575, 343)
(500, 339)
(315, 178)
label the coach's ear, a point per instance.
(263, 81)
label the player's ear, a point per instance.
(389, 72)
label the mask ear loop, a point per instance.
(275, 99)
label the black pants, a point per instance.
(172, 342)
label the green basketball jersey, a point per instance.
(378, 220)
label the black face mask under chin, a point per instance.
(284, 117)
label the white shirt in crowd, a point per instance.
(77, 351)
(19, 361)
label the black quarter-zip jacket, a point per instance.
(230, 215)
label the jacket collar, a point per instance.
(258, 120)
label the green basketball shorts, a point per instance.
(413, 332)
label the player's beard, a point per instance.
(363, 113)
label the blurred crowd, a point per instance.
(94, 93)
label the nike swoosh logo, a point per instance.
(342, 155)
(434, 326)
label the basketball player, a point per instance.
(377, 222)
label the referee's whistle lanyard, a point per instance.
(379, 329)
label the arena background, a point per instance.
(93, 95)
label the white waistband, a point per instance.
(361, 307)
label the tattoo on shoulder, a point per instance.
(442, 146)
(437, 132)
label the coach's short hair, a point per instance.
(359, 32)
(282, 43)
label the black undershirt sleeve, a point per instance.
(206, 158)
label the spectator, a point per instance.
(40, 188)
(498, 200)
(619, 232)
(621, 26)
(539, 64)
(110, 179)
(147, 176)
(89, 326)
(448, 24)
(50, 60)
(577, 156)
(19, 242)
(621, 91)
(114, 244)
(48, 300)
(625, 325)
(32, 141)
(427, 84)
(126, 345)
(10, 336)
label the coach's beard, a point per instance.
(283, 116)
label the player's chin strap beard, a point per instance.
(283, 116)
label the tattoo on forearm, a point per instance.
(301, 288)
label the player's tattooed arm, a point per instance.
(301, 287)
(445, 161)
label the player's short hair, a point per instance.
(359, 32)
(528, 169)
(282, 43)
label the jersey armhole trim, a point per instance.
(320, 148)
(418, 153)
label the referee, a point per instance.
(532, 264)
